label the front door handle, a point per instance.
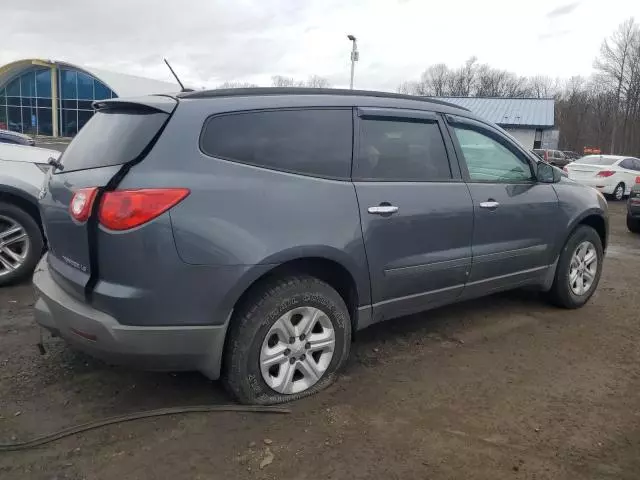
(382, 210)
(491, 204)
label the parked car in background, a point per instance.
(22, 172)
(553, 157)
(571, 155)
(236, 232)
(633, 208)
(7, 136)
(613, 175)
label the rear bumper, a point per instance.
(100, 335)
(604, 185)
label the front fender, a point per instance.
(577, 203)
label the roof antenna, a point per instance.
(182, 89)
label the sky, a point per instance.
(209, 42)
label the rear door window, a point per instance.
(113, 136)
(316, 142)
(401, 151)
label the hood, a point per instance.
(24, 153)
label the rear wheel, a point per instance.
(579, 268)
(618, 192)
(287, 341)
(21, 243)
(633, 224)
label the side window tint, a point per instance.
(402, 151)
(490, 161)
(314, 142)
(627, 163)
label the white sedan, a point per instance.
(612, 175)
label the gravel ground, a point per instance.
(497, 388)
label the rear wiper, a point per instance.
(55, 163)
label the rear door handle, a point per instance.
(382, 210)
(491, 204)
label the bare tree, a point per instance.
(280, 81)
(614, 62)
(237, 85)
(316, 81)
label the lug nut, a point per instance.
(292, 360)
(302, 337)
(292, 339)
(302, 357)
(307, 345)
(287, 351)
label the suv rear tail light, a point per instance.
(565, 169)
(637, 179)
(81, 203)
(125, 209)
(605, 173)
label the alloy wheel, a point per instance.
(297, 350)
(583, 268)
(14, 245)
(619, 192)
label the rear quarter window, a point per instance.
(112, 137)
(316, 142)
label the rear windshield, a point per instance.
(596, 160)
(112, 137)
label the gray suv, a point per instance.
(250, 233)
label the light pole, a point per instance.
(355, 56)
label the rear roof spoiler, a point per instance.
(160, 103)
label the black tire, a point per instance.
(614, 196)
(561, 294)
(36, 242)
(253, 320)
(633, 224)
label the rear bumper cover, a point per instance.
(100, 335)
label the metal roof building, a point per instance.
(530, 120)
(47, 97)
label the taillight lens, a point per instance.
(81, 203)
(605, 173)
(637, 179)
(565, 169)
(125, 209)
(546, 156)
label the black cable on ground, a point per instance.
(66, 432)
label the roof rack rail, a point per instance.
(259, 91)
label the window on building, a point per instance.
(26, 105)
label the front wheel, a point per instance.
(287, 341)
(579, 269)
(633, 224)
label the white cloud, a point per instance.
(210, 42)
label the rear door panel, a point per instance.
(419, 257)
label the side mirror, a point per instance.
(547, 174)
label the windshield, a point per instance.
(596, 160)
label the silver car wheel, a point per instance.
(583, 268)
(619, 192)
(297, 350)
(14, 245)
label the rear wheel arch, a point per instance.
(329, 271)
